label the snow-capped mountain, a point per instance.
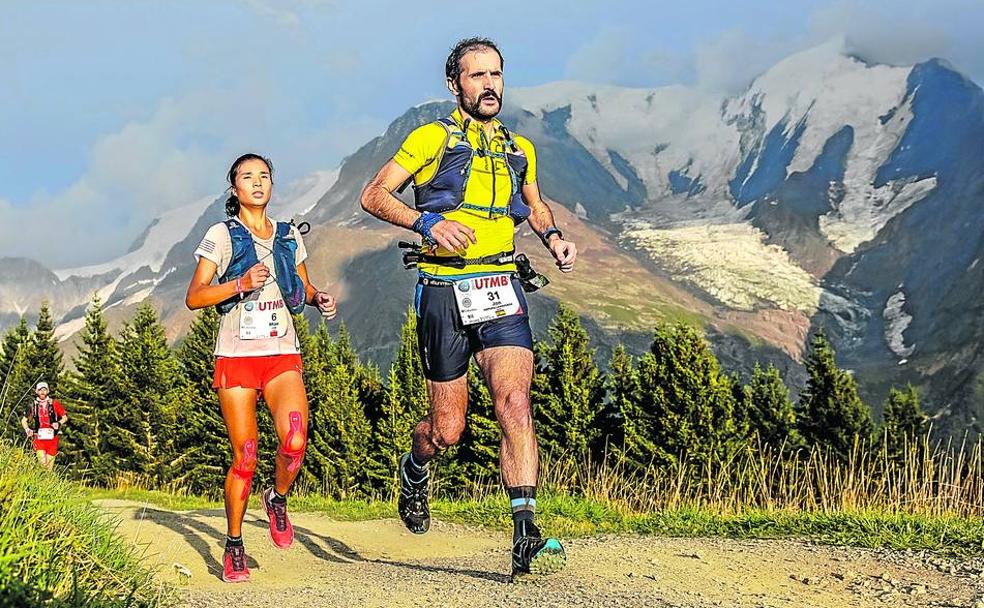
(831, 192)
(133, 276)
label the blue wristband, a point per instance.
(425, 223)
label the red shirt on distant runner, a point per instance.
(50, 446)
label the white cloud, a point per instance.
(284, 12)
(614, 56)
(728, 61)
(897, 38)
(179, 154)
(731, 61)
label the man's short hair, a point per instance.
(453, 66)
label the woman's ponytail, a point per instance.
(232, 206)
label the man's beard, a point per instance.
(476, 111)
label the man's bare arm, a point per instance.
(541, 219)
(378, 199)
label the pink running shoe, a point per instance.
(281, 532)
(234, 568)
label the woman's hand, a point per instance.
(255, 278)
(326, 304)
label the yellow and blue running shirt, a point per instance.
(421, 154)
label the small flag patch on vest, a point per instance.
(207, 246)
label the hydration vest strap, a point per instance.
(414, 256)
(36, 413)
(487, 208)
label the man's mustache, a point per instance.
(489, 94)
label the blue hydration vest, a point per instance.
(244, 257)
(445, 191)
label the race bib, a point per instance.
(46, 433)
(263, 318)
(486, 298)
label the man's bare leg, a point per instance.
(443, 425)
(440, 429)
(508, 371)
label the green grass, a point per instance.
(57, 549)
(570, 517)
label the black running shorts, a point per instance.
(446, 344)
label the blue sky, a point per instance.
(115, 111)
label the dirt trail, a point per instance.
(378, 563)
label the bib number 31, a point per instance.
(486, 298)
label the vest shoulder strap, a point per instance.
(283, 229)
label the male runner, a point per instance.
(42, 423)
(473, 182)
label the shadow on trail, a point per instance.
(191, 528)
(341, 553)
(495, 577)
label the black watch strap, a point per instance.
(545, 237)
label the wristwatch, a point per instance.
(545, 237)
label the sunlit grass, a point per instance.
(57, 549)
(929, 499)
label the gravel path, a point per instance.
(378, 563)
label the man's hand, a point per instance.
(55, 425)
(326, 304)
(564, 252)
(29, 433)
(452, 235)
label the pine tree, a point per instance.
(405, 404)
(90, 390)
(568, 390)
(349, 431)
(200, 444)
(15, 390)
(611, 428)
(771, 415)
(12, 348)
(630, 422)
(905, 425)
(831, 414)
(146, 414)
(688, 398)
(44, 359)
(38, 359)
(319, 460)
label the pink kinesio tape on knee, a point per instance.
(294, 456)
(247, 467)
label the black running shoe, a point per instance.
(413, 504)
(533, 554)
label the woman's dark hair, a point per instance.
(453, 66)
(232, 203)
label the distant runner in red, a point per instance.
(43, 423)
(262, 279)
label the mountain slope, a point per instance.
(831, 193)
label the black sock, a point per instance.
(234, 541)
(278, 497)
(522, 499)
(415, 472)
